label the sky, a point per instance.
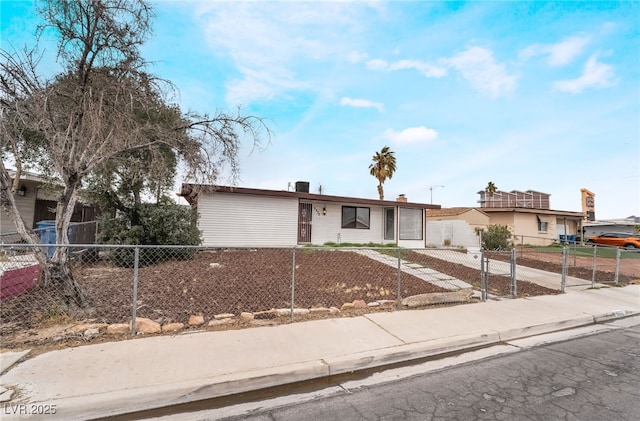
(540, 96)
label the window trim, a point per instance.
(358, 210)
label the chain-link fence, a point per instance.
(179, 286)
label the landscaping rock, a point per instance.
(86, 326)
(246, 315)
(172, 327)
(346, 306)
(460, 296)
(118, 329)
(334, 310)
(268, 314)
(359, 304)
(373, 304)
(196, 320)
(319, 310)
(91, 332)
(220, 322)
(147, 326)
(223, 316)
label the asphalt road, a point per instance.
(594, 377)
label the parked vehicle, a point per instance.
(616, 239)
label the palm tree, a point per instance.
(490, 189)
(383, 167)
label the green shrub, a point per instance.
(159, 224)
(496, 237)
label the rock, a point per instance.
(346, 306)
(268, 314)
(86, 326)
(172, 327)
(334, 310)
(214, 265)
(147, 326)
(223, 316)
(373, 304)
(118, 329)
(387, 303)
(319, 310)
(91, 332)
(246, 315)
(460, 296)
(359, 304)
(220, 322)
(196, 320)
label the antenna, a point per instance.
(289, 186)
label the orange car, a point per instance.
(616, 239)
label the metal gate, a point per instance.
(304, 222)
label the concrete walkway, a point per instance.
(426, 274)
(151, 372)
(546, 279)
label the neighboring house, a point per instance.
(36, 203)
(538, 226)
(529, 217)
(244, 217)
(630, 224)
(455, 227)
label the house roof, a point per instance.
(536, 211)
(450, 211)
(190, 193)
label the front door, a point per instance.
(304, 222)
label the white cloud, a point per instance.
(411, 135)
(361, 103)
(559, 54)
(356, 57)
(427, 70)
(595, 75)
(478, 66)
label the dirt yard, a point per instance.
(235, 281)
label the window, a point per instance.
(389, 224)
(411, 224)
(542, 224)
(353, 217)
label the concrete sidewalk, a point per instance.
(121, 377)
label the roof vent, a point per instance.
(302, 186)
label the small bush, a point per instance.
(496, 237)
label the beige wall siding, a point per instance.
(229, 220)
(26, 205)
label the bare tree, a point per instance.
(102, 107)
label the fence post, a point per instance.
(563, 281)
(618, 253)
(399, 283)
(514, 285)
(593, 273)
(134, 308)
(483, 278)
(293, 280)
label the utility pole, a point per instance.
(431, 191)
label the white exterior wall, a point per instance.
(327, 228)
(240, 220)
(458, 232)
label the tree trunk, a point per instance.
(60, 270)
(381, 191)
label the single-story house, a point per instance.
(538, 226)
(36, 202)
(246, 217)
(476, 218)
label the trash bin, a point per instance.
(47, 232)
